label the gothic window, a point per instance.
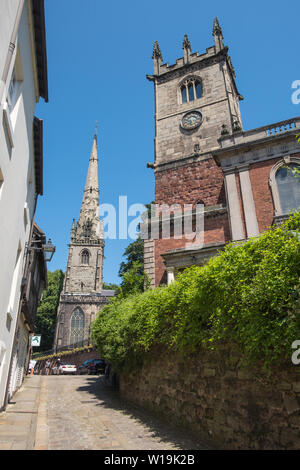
(191, 90)
(285, 185)
(183, 94)
(288, 188)
(85, 257)
(77, 326)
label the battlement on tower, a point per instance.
(193, 58)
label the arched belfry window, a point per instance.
(285, 185)
(77, 326)
(191, 90)
(85, 257)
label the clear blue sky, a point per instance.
(98, 56)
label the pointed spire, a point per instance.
(156, 51)
(88, 225)
(186, 43)
(186, 46)
(217, 30)
(218, 35)
(157, 58)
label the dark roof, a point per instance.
(108, 293)
(38, 12)
(38, 154)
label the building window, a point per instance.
(285, 185)
(77, 327)
(12, 90)
(288, 185)
(85, 257)
(191, 90)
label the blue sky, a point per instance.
(98, 56)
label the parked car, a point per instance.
(97, 366)
(67, 369)
(83, 368)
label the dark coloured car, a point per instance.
(83, 369)
(97, 367)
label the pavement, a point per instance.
(18, 423)
(83, 413)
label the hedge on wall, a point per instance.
(248, 295)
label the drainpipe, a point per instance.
(11, 49)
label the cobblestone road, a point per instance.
(80, 412)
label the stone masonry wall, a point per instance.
(209, 394)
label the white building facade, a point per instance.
(23, 75)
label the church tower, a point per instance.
(85, 261)
(196, 104)
(82, 296)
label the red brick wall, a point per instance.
(259, 177)
(215, 230)
(190, 184)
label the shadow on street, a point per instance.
(102, 394)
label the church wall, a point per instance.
(80, 277)
(259, 176)
(90, 308)
(216, 230)
(197, 182)
(190, 184)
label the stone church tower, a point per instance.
(82, 296)
(236, 180)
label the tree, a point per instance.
(134, 252)
(134, 279)
(47, 310)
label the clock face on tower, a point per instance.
(191, 120)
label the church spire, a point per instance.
(88, 226)
(218, 35)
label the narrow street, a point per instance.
(82, 413)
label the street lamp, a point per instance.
(49, 250)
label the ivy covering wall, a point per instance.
(248, 296)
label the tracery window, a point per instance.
(85, 257)
(77, 326)
(191, 90)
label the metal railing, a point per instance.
(70, 347)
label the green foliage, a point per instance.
(111, 286)
(134, 280)
(47, 310)
(248, 296)
(134, 252)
